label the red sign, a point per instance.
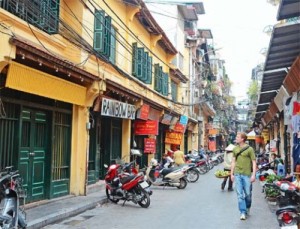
(173, 138)
(149, 145)
(179, 128)
(149, 127)
(143, 112)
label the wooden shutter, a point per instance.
(165, 84)
(98, 31)
(140, 63)
(144, 66)
(107, 36)
(112, 56)
(134, 59)
(149, 71)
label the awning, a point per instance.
(284, 46)
(26, 79)
(284, 49)
(292, 80)
(288, 9)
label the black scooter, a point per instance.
(11, 190)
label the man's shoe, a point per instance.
(230, 189)
(243, 217)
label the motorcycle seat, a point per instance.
(126, 179)
(168, 170)
(289, 208)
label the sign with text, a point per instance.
(149, 127)
(166, 119)
(149, 145)
(114, 108)
(183, 119)
(143, 112)
(179, 128)
(173, 138)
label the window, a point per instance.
(104, 36)
(161, 80)
(141, 64)
(174, 91)
(43, 14)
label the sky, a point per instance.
(237, 28)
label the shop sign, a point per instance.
(173, 138)
(183, 120)
(143, 112)
(148, 127)
(179, 128)
(149, 145)
(114, 108)
(166, 119)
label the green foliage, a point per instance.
(253, 91)
(271, 178)
(272, 192)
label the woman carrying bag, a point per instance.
(227, 166)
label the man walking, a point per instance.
(243, 169)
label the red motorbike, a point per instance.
(128, 186)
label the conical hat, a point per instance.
(230, 147)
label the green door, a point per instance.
(33, 144)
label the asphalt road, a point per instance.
(200, 205)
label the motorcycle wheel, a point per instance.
(110, 197)
(21, 219)
(192, 175)
(203, 169)
(183, 183)
(145, 202)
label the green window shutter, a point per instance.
(156, 77)
(134, 59)
(140, 58)
(113, 50)
(165, 84)
(107, 36)
(144, 66)
(149, 71)
(98, 31)
(174, 91)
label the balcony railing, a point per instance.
(43, 14)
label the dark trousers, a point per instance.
(225, 180)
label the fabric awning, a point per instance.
(26, 79)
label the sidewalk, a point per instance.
(46, 212)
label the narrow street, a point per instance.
(200, 205)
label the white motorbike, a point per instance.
(173, 177)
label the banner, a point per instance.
(173, 138)
(149, 145)
(143, 112)
(149, 127)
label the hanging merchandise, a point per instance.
(296, 150)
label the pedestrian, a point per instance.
(243, 169)
(167, 161)
(227, 166)
(178, 156)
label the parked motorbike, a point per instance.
(173, 177)
(289, 203)
(201, 163)
(11, 190)
(192, 173)
(122, 185)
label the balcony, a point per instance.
(42, 14)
